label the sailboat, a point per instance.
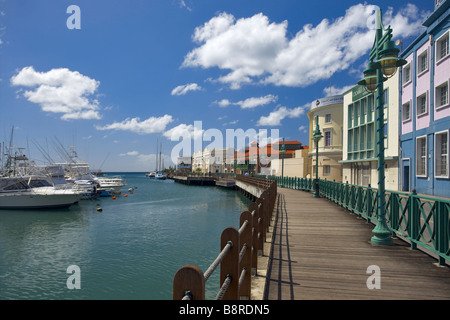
(157, 174)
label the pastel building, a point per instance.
(329, 112)
(425, 110)
(359, 160)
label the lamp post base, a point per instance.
(316, 195)
(382, 234)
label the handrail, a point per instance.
(421, 220)
(239, 251)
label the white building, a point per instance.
(360, 165)
(212, 160)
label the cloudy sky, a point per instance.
(115, 78)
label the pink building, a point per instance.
(425, 109)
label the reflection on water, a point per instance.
(130, 250)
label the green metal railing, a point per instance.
(422, 220)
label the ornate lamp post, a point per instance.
(283, 150)
(316, 137)
(383, 64)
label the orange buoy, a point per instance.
(131, 192)
(125, 195)
(114, 198)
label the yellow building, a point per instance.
(329, 112)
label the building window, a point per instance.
(362, 145)
(326, 170)
(406, 74)
(442, 47)
(442, 95)
(406, 111)
(327, 138)
(422, 62)
(328, 118)
(422, 107)
(441, 154)
(421, 156)
(350, 141)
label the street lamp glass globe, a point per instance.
(389, 65)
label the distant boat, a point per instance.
(108, 186)
(160, 176)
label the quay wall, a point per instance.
(252, 189)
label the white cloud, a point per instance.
(150, 125)
(60, 91)
(331, 91)
(183, 89)
(183, 130)
(249, 103)
(130, 153)
(281, 112)
(254, 50)
(303, 129)
(183, 4)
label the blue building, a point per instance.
(424, 119)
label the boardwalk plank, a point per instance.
(322, 251)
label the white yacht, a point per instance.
(35, 192)
(108, 186)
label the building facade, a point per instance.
(425, 109)
(359, 133)
(329, 112)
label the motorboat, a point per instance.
(108, 186)
(35, 192)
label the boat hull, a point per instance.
(30, 200)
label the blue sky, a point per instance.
(138, 72)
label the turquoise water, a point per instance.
(130, 250)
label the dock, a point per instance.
(205, 181)
(226, 183)
(322, 251)
(195, 180)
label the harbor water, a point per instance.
(129, 250)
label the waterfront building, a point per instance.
(247, 160)
(296, 162)
(359, 135)
(213, 160)
(184, 164)
(329, 112)
(425, 110)
(198, 164)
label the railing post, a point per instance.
(414, 219)
(253, 208)
(442, 230)
(260, 226)
(229, 265)
(188, 280)
(369, 203)
(394, 214)
(359, 195)
(246, 239)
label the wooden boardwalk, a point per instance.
(322, 251)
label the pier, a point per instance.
(195, 180)
(323, 251)
(205, 180)
(320, 248)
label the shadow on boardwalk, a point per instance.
(322, 251)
